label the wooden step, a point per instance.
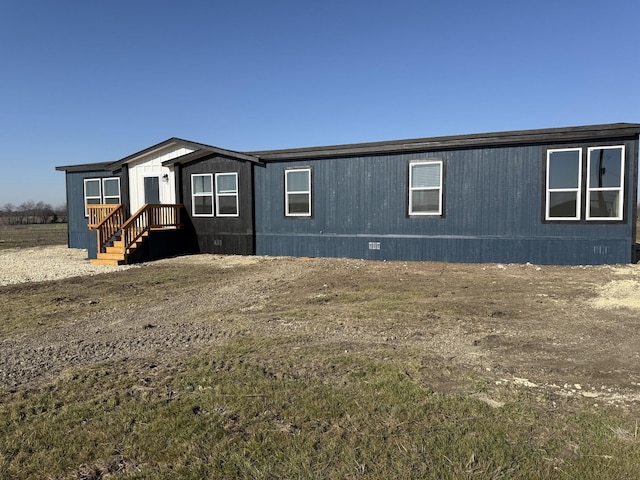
(116, 254)
(119, 243)
(111, 256)
(106, 261)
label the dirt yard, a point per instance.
(562, 331)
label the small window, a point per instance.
(227, 194)
(298, 192)
(425, 188)
(111, 190)
(202, 195)
(151, 187)
(564, 171)
(92, 193)
(605, 183)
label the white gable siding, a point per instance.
(151, 165)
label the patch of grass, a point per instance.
(276, 398)
(28, 236)
(30, 307)
(223, 414)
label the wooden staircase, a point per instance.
(117, 253)
(118, 239)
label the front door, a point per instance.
(151, 189)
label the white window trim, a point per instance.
(416, 189)
(104, 196)
(619, 189)
(93, 197)
(194, 195)
(234, 194)
(297, 192)
(578, 190)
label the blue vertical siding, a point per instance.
(79, 234)
(493, 211)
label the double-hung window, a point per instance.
(564, 174)
(297, 185)
(585, 183)
(111, 190)
(99, 191)
(227, 194)
(425, 187)
(92, 193)
(605, 183)
(202, 195)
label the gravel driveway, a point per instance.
(21, 265)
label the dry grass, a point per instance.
(27, 236)
(223, 415)
(323, 369)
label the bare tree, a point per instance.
(32, 212)
(41, 212)
(6, 213)
(60, 213)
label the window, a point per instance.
(605, 183)
(564, 173)
(99, 191)
(600, 195)
(425, 188)
(227, 194)
(297, 185)
(202, 195)
(151, 187)
(92, 193)
(111, 190)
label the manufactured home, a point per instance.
(546, 196)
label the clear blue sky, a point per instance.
(90, 81)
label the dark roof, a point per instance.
(184, 143)
(87, 167)
(522, 137)
(199, 150)
(206, 150)
(547, 135)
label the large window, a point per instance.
(202, 195)
(585, 183)
(605, 183)
(298, 192)
(564, 173)
(425, 188)
(99, 191)
(210, 199)
(227, 194)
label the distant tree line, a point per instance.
(32, 212)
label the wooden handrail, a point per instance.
(150, 216)
(97, 213)
(106, 220)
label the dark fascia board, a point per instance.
(158, 146)
(208, 150)
(184, 143)
(87, 167)
(524, 137)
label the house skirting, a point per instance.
(542, 251)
